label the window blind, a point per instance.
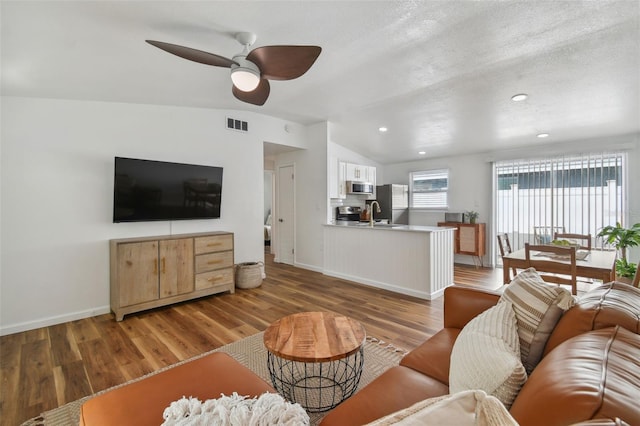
(574, 194)
(429, 189)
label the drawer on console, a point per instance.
(211, 261)
(213, 243)
(215, 278)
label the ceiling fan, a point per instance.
(251, 70)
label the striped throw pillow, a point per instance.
(538, 307)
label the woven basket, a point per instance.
(249, 274)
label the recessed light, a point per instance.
(543, 135)
(382, 129)
(519, 97)
(421, 152)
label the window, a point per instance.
(429, 189)
(578, 194)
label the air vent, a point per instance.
(233, 124)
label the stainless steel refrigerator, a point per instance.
(394, 203)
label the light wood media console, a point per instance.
(149, 272)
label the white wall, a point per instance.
(311, 196)
(57, 194)
(469, 189)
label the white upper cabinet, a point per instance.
(340, 172)
(371, 174)
(360, 173)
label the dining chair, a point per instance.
(505, 248)
(583, 239)
(544, 234)
(556, 271)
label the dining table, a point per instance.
(596, 264)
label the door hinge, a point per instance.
(291, 176)
(293, 251)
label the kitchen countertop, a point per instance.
(389, 227)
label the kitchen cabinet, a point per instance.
(371, 175)
(156, 271)
(469, 239)
(340, 172)
(337, 180)
(360, 173)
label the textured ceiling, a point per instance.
(438, 74)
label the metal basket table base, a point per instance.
(316, 386)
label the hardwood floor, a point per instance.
(48, 367)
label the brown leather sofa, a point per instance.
(590, 369)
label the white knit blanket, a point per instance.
(235, 410)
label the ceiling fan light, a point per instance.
(245, 79)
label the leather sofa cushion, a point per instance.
(143, 402)
(396, 389)
(433, 357)
(590, 376)
(609, 305)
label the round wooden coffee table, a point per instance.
(315, 358)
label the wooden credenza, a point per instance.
(469, 238)
(149, 272)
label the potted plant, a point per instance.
(621, 238)
(473, 216)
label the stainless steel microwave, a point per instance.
(355, 187)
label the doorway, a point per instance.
(285, 215)
(269, 191)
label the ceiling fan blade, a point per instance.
(258, 96)
(193, 54)
(284, 62)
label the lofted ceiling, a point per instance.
(438, 74)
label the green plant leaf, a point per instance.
(625, 269)
(621, 238)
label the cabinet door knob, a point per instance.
(280, 220)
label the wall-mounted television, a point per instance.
(147, 190)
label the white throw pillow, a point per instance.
(538, 306)
(469, 408)
(486, 356)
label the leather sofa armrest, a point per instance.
(462, 304)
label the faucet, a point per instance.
(377, 211)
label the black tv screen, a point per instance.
(146, 190)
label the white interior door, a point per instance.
(286, 215)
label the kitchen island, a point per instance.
(407, 259)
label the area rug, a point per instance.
(379, 356)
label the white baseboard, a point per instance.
(386, 286)
(309, 267)
(46, 322)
